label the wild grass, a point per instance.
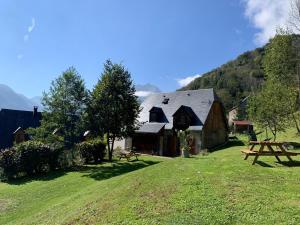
(219, 188)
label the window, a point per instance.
(182, 119)
(156, 115)
(153, 117)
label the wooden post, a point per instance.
(284, 152)
(272, 150)
(259, 151)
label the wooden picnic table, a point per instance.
(128, 154)
(266, 148)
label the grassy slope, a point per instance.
(220, 188)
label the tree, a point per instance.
(114, 108)
(241, 112)
(270, 107)
(279, 60)
(64, 105)
(280, 67)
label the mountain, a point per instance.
(37, 100)
(9, 99)
(234, 80)
(142, 91)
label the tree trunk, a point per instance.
(273, 131)
(110, 148)
(110, 156)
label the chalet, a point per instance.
(13, 121)
(164, 114)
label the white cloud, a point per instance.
(185, 81)
(32, 26)
(20, 56)
(267, 16)
(143, 93)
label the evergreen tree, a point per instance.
(113, 108)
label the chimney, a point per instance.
(35, 110)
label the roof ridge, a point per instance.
(174, 92)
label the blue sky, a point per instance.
(161, 42)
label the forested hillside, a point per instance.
(235, 79)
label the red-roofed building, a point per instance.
(241, 126)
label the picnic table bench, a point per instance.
(268, 145)
(128, 154)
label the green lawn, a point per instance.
(220, 188)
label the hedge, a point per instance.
(27, 158)
(92, 150)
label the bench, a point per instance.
(277, 153)
(128, 154)
(280, 151)
(249, 152)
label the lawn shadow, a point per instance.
(101, 171)
(283, 163)
(229, 144)
(116, 168)
(40, 177)
(293, 163)
(263, 164)
(296, 145)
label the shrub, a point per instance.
(31, 157)
(92, 150)
(8, 163)
(70, 157)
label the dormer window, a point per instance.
(183, 118)
(156, 115)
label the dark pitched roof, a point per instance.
(151, 128)
(200, 101)
(11, 120)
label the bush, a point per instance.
(69, 158)
(31, 157)
(8, 163)
(92, 150)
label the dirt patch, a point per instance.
(5, 204)
(293, 202)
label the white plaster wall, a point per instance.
(232, 116)
(197, 137)
(120, 144)
(124, 143)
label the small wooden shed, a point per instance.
(242, 126)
